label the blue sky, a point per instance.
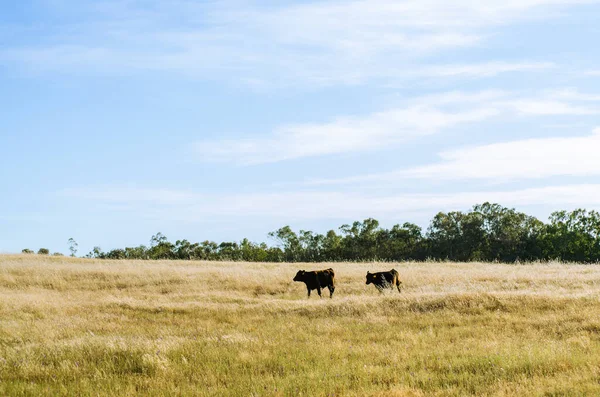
(224, 120)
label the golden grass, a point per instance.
(91, 327)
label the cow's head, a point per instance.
(300, 275)
(371, 278)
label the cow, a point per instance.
(383, 280)
(317, 279)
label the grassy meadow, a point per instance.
(90, 327)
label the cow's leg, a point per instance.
(319, 290)
(331, 289)
(398, 286)
(308, 289)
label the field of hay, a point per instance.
(90, 327)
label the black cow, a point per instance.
(383, 280)
(317, 279)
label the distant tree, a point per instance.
(274, 254)
(207, 251)
(57, 254)
(572, 236)
(161, 248)
(290, 243)
(332, 246)
(96, 252)
(251, 252)
(229, 251)
(27, 251)
(360, 240)
(195, 251)
(183, 249)
(510, 235)
(140, 252)
(43, 251)
(157, 239)
(73, 246)
(116, 254)
(457, 236)
(401, 243)
(312, 246)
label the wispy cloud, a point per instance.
(321, 43)
(418, 117)
(118, 194)
(475, 70)
(290, 206)
(524, 159)
(570, 94)
(509, 161)
(343, 135)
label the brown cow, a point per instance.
(383, 280)
(317, 279)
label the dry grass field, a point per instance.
(90, 327)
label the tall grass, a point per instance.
(90, 327)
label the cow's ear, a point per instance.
(368, 272)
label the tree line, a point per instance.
(487, 232)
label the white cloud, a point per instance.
(487, 69)
(573, 95)
(130, 195)
(525, 159)
(547, 107)
(335, 205)
(321, 43)
(502, 162)
(343, 135)
(418, 117)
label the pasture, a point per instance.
(91, 327)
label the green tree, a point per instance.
(183, 250)
(139, 252)
(96, 252)
(510, 235)
(116, 254)
(401, 243)
(332, 246)
(43, 251)
(457, 236)
(208, 250)
(289, 241)
(360, 240)
(157, 239)
(27, 251)
(572, 236)
(161, 248)
(229, 251)
(311, 246)
(73, 246)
